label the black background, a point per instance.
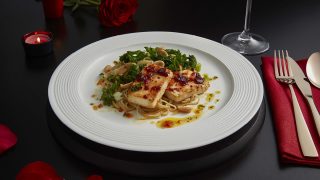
(294, 26)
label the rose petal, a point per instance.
(95, 177)
(7, 138)
(38, 170)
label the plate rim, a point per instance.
(115, 144)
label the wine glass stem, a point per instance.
(245, 33)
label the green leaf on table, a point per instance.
(68, 3)
(75, 7)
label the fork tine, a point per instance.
(284, 63)
(276, 70)
(289, 67)
(280, 63)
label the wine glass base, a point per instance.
(256, 44)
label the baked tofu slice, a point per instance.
(149, 86)
(186, 84)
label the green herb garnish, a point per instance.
(136, 87)
(115, 81)
(107, 93)
(133, 56)
(175, 59)
(172, 61)
(152, 53)
(198, 67)
(130, 75)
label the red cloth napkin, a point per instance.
(280, 102)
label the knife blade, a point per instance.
(305, 88)
(300, 78)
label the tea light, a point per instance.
(37, 43)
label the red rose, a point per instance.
(116, 12)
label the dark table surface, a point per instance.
(23, 92)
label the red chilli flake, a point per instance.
(156, 88)
(144, 78)
(7, 138)
(162, 72)
(167, 124)
(38, 170)
(150, 69)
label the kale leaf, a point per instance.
(115, 81)
(107, 93)
(133, 56)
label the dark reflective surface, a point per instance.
(43, 63)
(292, 25)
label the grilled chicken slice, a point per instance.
(186, 84)
(149, 86)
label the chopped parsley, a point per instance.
(172, 61)
(107, 93)
(175, 59)
(133, 56)
(115, 81)
(136, 87)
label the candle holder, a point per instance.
(38, 43)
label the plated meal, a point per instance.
(229, 103)
(154, 82)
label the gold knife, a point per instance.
(305, 88)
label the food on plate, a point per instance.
(185, 84)
(151, 84)
(154, 82)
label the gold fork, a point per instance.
(283, 73)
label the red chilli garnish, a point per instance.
(155, 88)
(150, 68)
(181, 79)
(163, 72)
(198, 79)
(144, 78)
(167, 124)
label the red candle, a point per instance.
(37, 39)
(37, 43)
(53, 8)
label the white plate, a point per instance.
(73, 83)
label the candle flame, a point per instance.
(38, 40)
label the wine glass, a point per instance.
(246, 42)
